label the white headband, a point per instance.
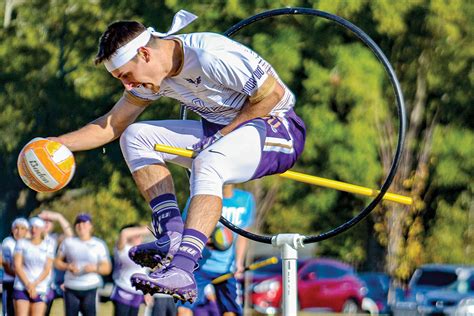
(20, 221)
(125, 53)
(38, 222)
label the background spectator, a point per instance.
(33, 261)
(84, 258)
(54, 239)
(126, 298)
(20, 228)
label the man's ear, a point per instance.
(145, 53)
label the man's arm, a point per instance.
(259, 105)
(104, 129)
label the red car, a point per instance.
(323, 284)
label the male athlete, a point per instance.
(248, 130)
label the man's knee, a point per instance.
(133, 134)
(208, 174)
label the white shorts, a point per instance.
(232, 159)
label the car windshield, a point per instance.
(463, 285)
(436, 278)
(374, 283)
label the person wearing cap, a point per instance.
(20, 227)
(54, 239)
(33, 261)
(85, 259)
(248, 130)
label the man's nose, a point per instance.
(128, 86)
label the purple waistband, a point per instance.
(122, 296)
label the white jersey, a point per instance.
(52, 240)
(35, 258)
(81, 253)
(124, 267)
(217, 77)
(8, 246)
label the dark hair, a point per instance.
(115, 36)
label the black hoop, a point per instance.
(400, 107)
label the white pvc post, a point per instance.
(289, 245)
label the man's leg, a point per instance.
(155, 183)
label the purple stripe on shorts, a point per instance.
(124, 297)
(23, 295)
(273, 162)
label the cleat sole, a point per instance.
(146, 259)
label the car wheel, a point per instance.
(350, 307)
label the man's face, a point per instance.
(140, 71)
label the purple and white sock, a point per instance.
(166, 215)
(190, 250)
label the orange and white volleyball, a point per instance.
(45, 165)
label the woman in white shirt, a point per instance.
(85, 259)
(33, 261)
(125, 297)
(20, 228)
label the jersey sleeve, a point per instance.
(102, 252)
(135, 99)
(141, 96)
(19, 247)
(6, 251)
(238, 69)
(62, 247)
(51, 252)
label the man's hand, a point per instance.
(206, 142)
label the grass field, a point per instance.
(106, 309)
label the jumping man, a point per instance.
(248, 130)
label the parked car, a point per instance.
(465, 307)
(436, 290)
(378, 284)
(268, 271)
(323, 284)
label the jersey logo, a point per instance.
(216, 152)
(196, 81)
